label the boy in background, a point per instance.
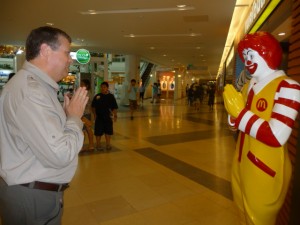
(104, 108)
(133, 95)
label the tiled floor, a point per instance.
(169, 166)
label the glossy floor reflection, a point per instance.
(169, 165)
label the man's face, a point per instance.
(254, 63)
(60, 59)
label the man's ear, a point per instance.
(44, 50)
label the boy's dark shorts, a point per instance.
(103, 126)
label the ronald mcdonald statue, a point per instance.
(264, 112)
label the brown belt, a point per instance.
(46, 186)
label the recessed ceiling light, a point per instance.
(198, 48)
(164, 55)
(281, 34)
(152, 48)
(131, 35)
(181, 6)
(50, 24)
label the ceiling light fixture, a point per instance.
(281, 34)
(50, 24)
(125, 11)
(92, 11)
(163, 35)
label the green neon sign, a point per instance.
(83, 56)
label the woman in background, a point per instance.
(87, 116)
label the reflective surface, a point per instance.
(169, 165)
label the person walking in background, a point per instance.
(104, 108)
(154, 92)
(87, 116)
(158, 93)
(190, 95)
(40, 139)
(133, 95)
(211, 96)
(187, 89)
(196, 94)
(142, 92)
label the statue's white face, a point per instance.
(255, 64)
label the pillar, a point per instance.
(132, 71)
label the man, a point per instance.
(133, 95)
(104, 108)
(154, 92)
(142, 93)
(265, 113)
(39, 140)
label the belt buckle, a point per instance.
(62, 187)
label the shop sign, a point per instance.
(83, 56)
(257, 8)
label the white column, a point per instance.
(132, 71)
(19, 61)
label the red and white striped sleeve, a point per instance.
(277, 130)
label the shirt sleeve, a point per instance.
(114, 102)
(277, 130)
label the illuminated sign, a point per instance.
(257, 7)
(83, 56)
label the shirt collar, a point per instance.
(40, 74)
(258, 86)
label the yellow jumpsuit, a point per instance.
(260, 173)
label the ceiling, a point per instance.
(164, 35)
